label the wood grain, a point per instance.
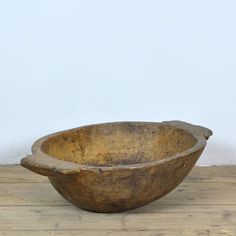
(222, 174)
(203, 205)
(159, 232)
(17, 174)
(186, 193)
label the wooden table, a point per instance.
(204, 205)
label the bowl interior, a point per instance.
(118, 143)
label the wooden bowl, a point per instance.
(118, 166)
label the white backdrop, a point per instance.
(68, 63)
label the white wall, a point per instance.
(68, 63)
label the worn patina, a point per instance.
(118, 166)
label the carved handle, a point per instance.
(198, 130)
(48, 166)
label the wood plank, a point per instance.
(203, 205)
(211, 174)
(16, 174)
(30, 194)
(185, 193)
(164, 217)
(159, 232)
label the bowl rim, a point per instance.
(53, 164)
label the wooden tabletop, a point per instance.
(204, 205)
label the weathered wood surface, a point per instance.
(222, 174)
(204, 204)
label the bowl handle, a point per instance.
(48, 166)
(196, 129)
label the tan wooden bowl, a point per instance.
(118, 166)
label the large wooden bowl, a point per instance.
(118, 166)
